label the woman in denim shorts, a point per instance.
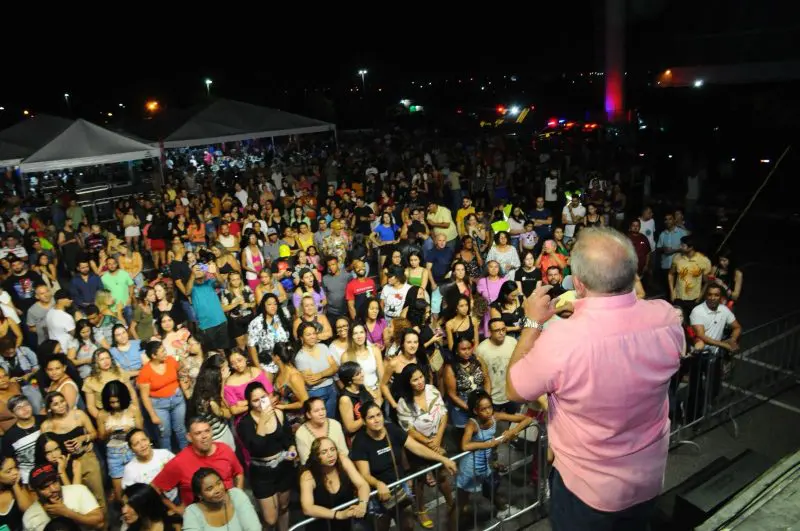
(118, 416)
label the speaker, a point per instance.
(697, 504)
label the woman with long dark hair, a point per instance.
(329, 480)
(464, 373)
(309, 286)
(268, 439)
(351, 396)
(207, 402)
(162, 396)
(371, 314)
(377, 452)
(75, 433)
(421, 411)
(142, 509)
(14, 498)
(118, 417)
(49, 450)
(317, 365)
(289, 384)
(508, 307)
(459, 322)
(216, 507)
(409, 353)
(238, 303)
(270, 327)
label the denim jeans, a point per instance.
(569, 513)
(172, 413)
(328, 395)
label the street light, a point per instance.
(362, 73)
(151, 106)
(208, 86)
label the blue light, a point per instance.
(561, 121)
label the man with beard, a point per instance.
(74, 502)
(360, 289)
(21, 284)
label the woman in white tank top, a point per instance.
(368, 357)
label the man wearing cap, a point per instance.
(58, 322)
(74, 502)
(336, 244)
(272, 249)
(20, 439)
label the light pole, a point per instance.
(208, 87)
(362, 73)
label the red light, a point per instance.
(552, 122)
(569, 124)
(533, 107)
(459, 111)
(501, 109)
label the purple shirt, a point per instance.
(607, 370)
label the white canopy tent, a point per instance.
(232, 121)
(25, 138)
(85, 144)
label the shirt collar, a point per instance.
(612, 302)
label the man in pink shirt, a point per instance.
(606, 371)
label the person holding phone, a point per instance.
(268, 438)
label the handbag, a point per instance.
(399, 495)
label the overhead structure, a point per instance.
(85, 144)
(227, 121)
(25, 138)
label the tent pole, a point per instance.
(335, 138)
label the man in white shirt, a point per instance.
(709, 321)
(710, 318)
(496, 351)
(648, 226)
(12, 246)
(18, 215)
(59, 323)
(393, 294)
(241, 194)
(571, 215)
(74, 502)
(551, 187)
(147, 462)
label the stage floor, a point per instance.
(770, 502)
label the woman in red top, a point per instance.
(161, 394)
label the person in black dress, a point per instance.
(329, 480)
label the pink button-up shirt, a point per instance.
(606, 370)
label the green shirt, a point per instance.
(119, 285)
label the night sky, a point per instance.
(277, 59)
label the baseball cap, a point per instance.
(43, 475)
(271, 231)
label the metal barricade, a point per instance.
(525, 481)
(715, 386)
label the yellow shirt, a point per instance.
(460, 215)
(443, 215)
(305, 241)
(689, 281)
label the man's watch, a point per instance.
(527, 322)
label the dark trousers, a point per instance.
(216, 337)
(569, 513)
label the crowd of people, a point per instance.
(323, 330)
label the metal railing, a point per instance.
(715, 386)
(532, 467)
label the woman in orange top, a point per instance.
(161, 393)
(196, 233)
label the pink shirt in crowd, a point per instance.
(606, 370)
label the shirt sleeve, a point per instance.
(357, 451)
(729, 317)
(244, 510)
(539, 371)
(404, 417)
(695, 318)
(86, 500)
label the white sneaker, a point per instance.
(508, 511)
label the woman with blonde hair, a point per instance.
(104, 369)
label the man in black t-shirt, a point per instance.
(364, 216)
(20, 439)
(21, 285)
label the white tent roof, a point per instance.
(86, 144)
(24, 138)
(231, 121)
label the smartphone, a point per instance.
(266, 403)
